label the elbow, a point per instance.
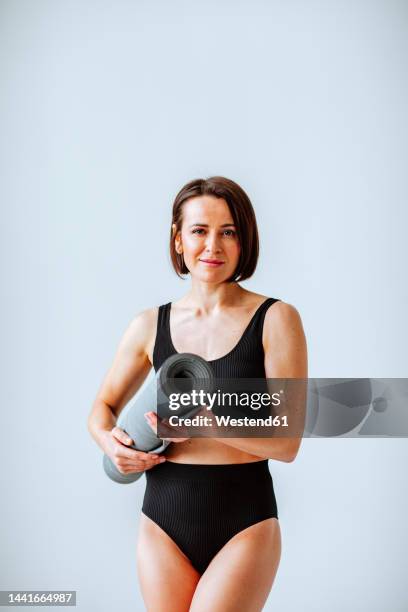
(291, 453)
(286, 457)
(91, 418)
(90, 426)
(286, 452)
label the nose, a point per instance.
(212, 244)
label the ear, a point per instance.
(177, 239)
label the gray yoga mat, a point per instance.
(170, 378)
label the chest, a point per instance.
(233, 352)
(210, 338)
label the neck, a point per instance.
(210, 297)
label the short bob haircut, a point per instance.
(242, 213)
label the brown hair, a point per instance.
(242, 213)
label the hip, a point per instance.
(224, 490)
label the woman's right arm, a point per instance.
(129, 369)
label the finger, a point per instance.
(131, 470)
(126, 464)
(142, 464)
(152, 463)
(149, 467)
(138, 467)
(151, 418)
(203, 411)
(169, 431)
(134, 455)
(165, 429)
(146, 456)
(122, 436)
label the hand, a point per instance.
(153, 419)
(128, 460)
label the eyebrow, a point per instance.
(206, 225)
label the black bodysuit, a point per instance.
(202, 506)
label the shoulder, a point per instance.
(141, 328)
(284, 342)
(145, 319)
(283, 312)
(282, 320)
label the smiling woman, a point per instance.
(207, 248)
(209, 531)
(219, 218)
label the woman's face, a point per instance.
(208, 239)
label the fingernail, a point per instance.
(162, 459)
(147, 417)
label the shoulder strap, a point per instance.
(258, 318)
(163, 317)
(162, 342)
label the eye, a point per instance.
(196, 230)
(231, 232)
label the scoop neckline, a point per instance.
(229, 352)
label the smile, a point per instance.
(214, 263)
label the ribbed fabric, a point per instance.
(201, 507)
(245, 360)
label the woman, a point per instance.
(209, 534)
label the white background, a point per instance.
(107, 109)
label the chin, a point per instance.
(214, 276)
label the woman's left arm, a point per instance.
(285, 357)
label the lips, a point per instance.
(212, 262)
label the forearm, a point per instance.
(280, 449)
(100, 421)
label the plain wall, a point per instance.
(107, 109)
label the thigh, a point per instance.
(167, 578)
(241, 575)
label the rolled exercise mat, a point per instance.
(155, 396)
